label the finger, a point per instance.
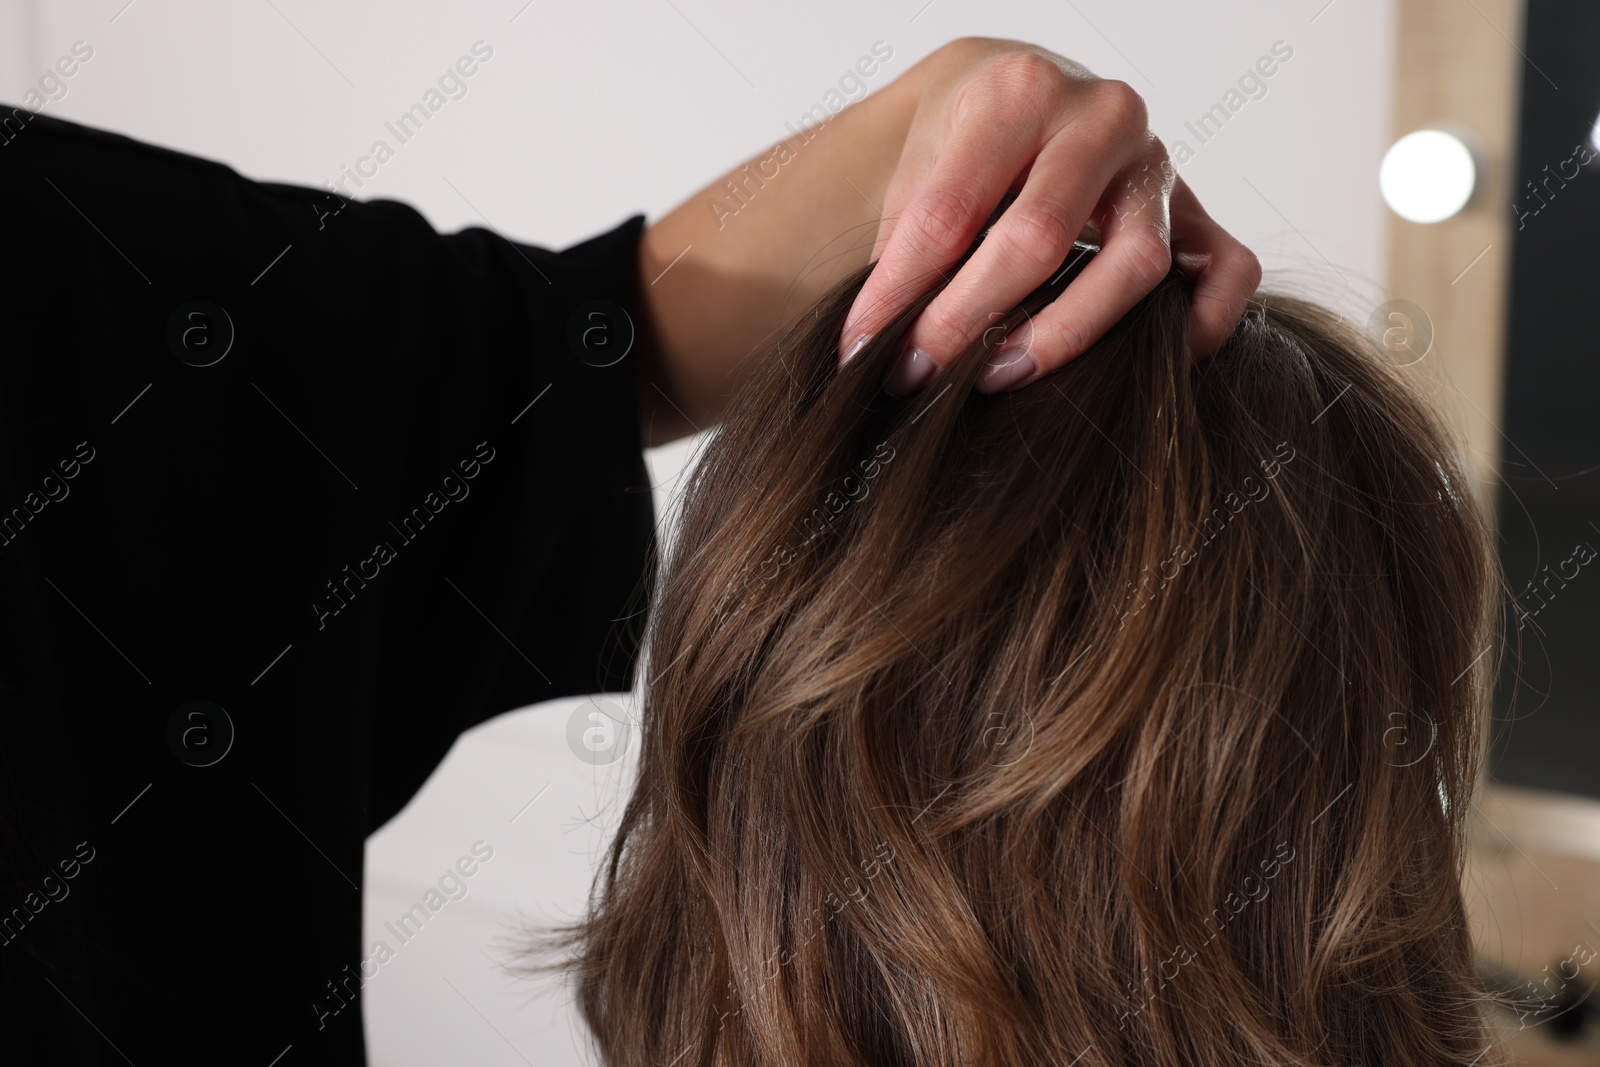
(1034, 236)
(934, 230)
(1226, 274)
(975, 168)
(1135, 255)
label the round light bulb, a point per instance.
(1427, 176)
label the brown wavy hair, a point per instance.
(1132, 717)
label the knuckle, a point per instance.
(1027, 71)
(1121, 104)
(1250, 268)
(1024, 80)
(944, 219)
(1161, 162)
(1074, 338)
(1061, 341)
(1038, 234)
(941, 332)
(1147, 257)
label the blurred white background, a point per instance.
(586, 114)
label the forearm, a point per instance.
(725, 269)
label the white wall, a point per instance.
(590, 111)
(587, 113)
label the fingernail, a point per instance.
(1006, 367)
(855, 346)
(910, 373)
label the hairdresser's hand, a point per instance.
(916, 168)
(992, 116)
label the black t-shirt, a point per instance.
(385, 492)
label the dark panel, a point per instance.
(1547, 729)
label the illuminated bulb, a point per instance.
(1427, 176)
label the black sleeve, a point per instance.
(357, 484)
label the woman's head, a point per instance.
(1128, 718)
